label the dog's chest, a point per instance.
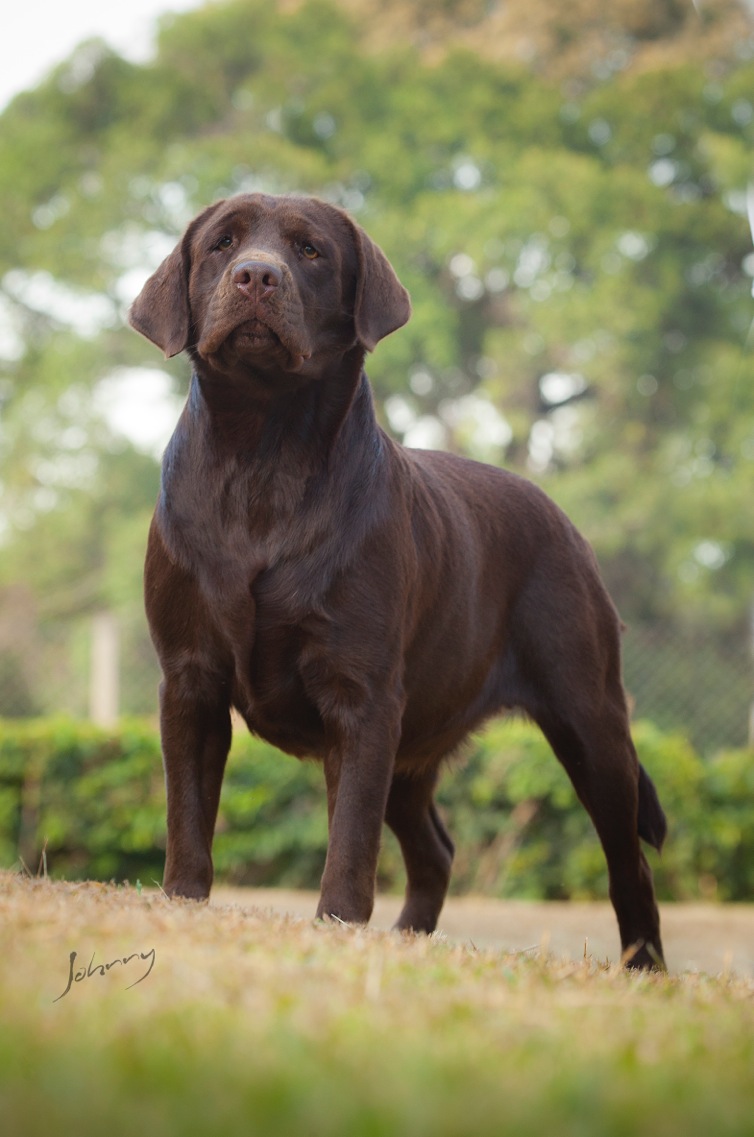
(225, 526)
(266, 561)
(258, 590)
(261, 613)
(269, 688)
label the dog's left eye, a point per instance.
(309, 251)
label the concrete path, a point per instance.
(698, 937)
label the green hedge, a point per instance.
(87, 803)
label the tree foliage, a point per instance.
(574, 239)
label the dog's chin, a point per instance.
(255, 346)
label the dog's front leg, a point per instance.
(358, 776)
(196, 737)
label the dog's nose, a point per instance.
(256, 278)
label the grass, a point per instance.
(253, 1024)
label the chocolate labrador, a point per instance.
(356, 601)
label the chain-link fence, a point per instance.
(698, 683)
(695, 682)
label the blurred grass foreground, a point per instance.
(255, 1025)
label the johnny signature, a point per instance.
(77, 976)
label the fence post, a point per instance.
(104, 684)
(751, 672)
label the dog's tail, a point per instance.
(653, 825)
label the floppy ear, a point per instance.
(382, 303)
(161, 310)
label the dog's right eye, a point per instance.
(224, 242)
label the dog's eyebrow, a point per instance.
(225, 219)
(246, 216)
(295, 226)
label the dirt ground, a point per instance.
(698, 937)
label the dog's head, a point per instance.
(272, 285)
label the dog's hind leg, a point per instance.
(601, 762)
(571, 682)
(426, 846)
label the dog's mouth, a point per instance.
(255, 342)
(254, 335)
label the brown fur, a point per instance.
(356, 601)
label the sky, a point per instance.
(38, 34)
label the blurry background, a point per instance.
(562, 188)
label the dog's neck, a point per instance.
(252, 468)
(252, 415)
